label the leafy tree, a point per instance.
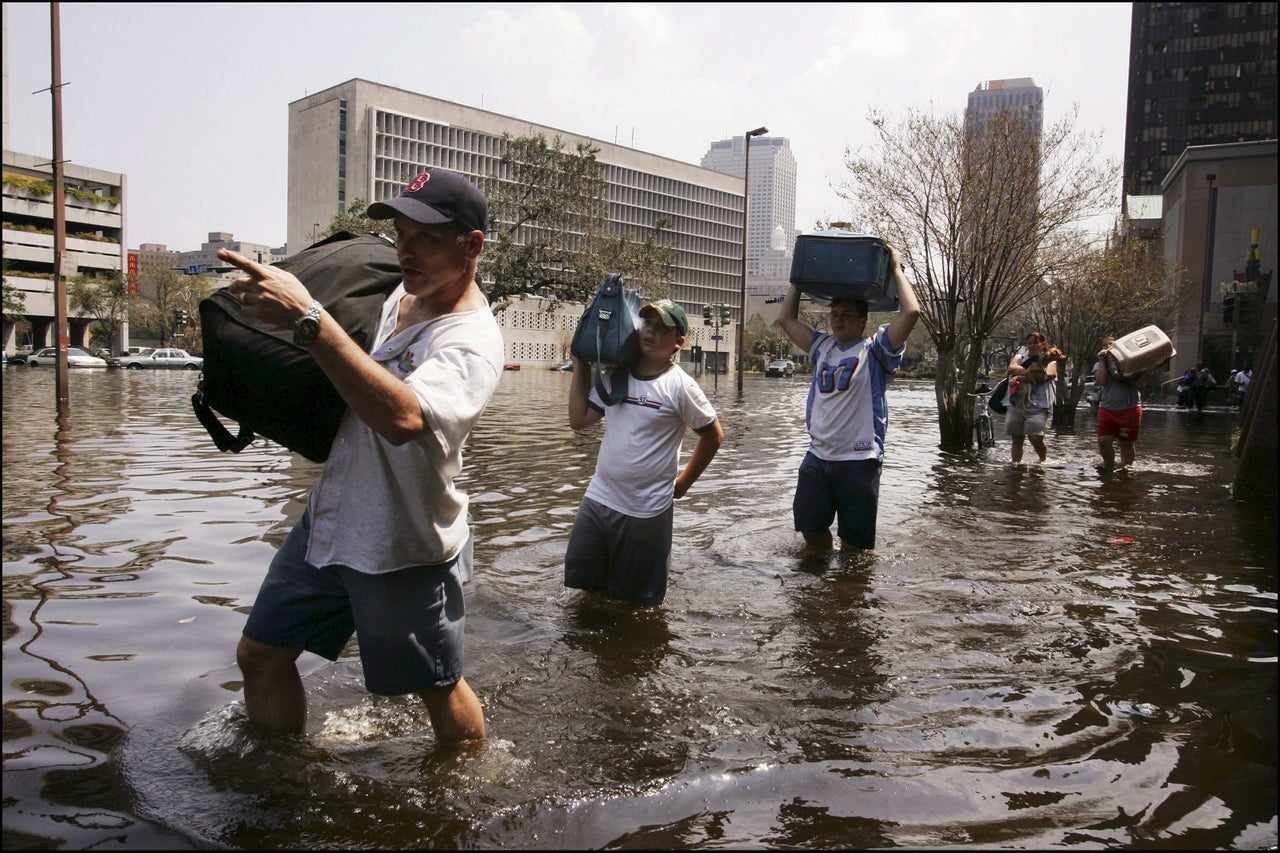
(768, 345)
(357, 221)
(15, 301)
(984, 219)
(549, 232)
(162, 290)
(546, 206)
(106, 300)
(647, 264)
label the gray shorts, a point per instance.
(619, 555)
(1020, 421)
(409, 623)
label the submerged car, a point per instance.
(163, 359)
(76, 357)
(780, 367)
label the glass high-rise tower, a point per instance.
(1199, 74)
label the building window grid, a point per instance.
(703, 223)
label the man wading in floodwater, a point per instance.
(383, 547)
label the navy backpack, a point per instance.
(608, 336)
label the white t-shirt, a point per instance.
(378, 507)
(640, 453)
(847, 412)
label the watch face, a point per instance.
(307, 330)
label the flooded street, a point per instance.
(1039, 657)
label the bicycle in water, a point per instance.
(984, 433)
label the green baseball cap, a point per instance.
(669, 313)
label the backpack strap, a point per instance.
(618, 381)
(221, 436)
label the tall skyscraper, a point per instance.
(1019, 95)
(1199, 74)
(1003, 121)
(772, 193)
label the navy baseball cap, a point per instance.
(435, 196)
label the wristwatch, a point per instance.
(307, 327)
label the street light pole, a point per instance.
(742, 289)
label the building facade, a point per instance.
(772, 193)
(1215, 198)
(1199, 74)
(1018, 95)
(94, 204)
(364, 140)
(205, 261)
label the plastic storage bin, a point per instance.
(839, 264)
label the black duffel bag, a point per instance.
(256, 376)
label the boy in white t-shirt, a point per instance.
(620, 544)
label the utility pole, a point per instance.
(61, 262)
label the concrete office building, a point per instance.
(95, 244)
(772, 191)
(1199, 74)
(95, 234)
(364, 140)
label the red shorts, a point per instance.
(1122, 423)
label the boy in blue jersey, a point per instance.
(846, 414)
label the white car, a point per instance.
(76, 357)
(163, 359)
(780, 367)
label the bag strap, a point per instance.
(221, 436)
(618, 379)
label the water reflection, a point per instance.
(1039, 657)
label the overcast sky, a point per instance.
(190, 100)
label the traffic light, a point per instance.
(706, 315)
(1229, 309)
(724, 313)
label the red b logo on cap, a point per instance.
(419, 181)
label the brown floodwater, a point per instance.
(1039, 657)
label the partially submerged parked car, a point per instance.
(76, 357)
(780, 367)
(163, 359)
